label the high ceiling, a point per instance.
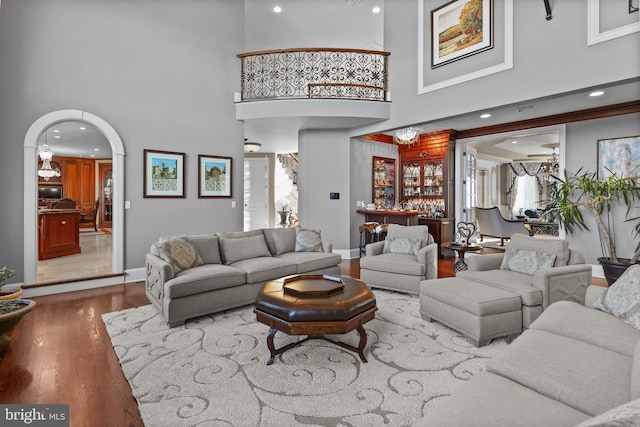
(76, 139)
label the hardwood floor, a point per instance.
(61, 353)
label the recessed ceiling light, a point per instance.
(597, 93)
(56, 136)
(375, 10)
(514, 142)
(96, 149)
(485, 116)
(56, 130)
(91, 155)
(83, 128)
(277, 9)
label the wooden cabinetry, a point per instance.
(440, 228)
(105, 184)
(58, 233)
(78, 179)
(384, 182)
(427, 173)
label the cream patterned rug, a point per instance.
(212, 371)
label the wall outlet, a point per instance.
(233, 203)
(127, 204)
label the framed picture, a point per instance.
(163, 174)
(214, 176)
(459, 29)
(620, 156)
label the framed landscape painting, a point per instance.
(459, 29)
(620, 156)
(163, 174)
(214, 176)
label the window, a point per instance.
(527, 196)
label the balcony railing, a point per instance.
(314, 73)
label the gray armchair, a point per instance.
(492, 224)
(567, 280)
(400, 271)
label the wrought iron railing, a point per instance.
(314, 73)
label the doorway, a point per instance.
(30, 188)
(256, 193)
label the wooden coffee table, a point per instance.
(315, 305)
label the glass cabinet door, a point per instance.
(411, 184)
(384, 182)
(106, 184)
(433, 179)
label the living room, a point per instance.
(163, 75)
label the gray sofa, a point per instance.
(226, 270)
(573, 363)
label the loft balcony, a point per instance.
(314, 87)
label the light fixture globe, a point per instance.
(251, 147)
(46, 171)
(406, 136)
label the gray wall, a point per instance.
(582, 150)
(550, 57)
(161, 72)
(362, 153)
(323, 168)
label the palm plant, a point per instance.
(598, 196)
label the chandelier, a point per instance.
(551, 167)
(46, 171)
(406, 136)
(251, 147)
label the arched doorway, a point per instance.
(31, 182)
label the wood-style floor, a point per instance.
(61, 353)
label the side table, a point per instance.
(460, 250)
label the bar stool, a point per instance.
(381, 232)
(369, 227)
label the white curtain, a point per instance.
(520, 169)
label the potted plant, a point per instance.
(584, 191)
(7, 273)
(11, 311)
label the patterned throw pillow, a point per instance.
(527, 262)
(308, 240)
(622, 299)
(180, 252)
(402, 245)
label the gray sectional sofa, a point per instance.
(191, 276)
(573, 363)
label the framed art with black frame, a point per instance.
(214, 176)
(459, 29)
(163, 174)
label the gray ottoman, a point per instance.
(478, 311)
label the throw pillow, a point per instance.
(402, 245)
(410, 231)
(280, 240)
(308, 240)
(622, 299)
(559, 247)
(527, 262)
(240, 248)
(625, 415)
(180, 252)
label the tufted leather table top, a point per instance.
(314, 305)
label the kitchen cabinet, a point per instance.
(58, 233)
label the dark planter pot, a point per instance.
(10, 314)
(613, 270)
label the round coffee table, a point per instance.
(315, 305)
(460, 264)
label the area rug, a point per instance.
(212, 371)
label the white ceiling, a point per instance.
(70, 140)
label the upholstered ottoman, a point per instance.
(480, 312)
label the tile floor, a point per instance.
(94, 260)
